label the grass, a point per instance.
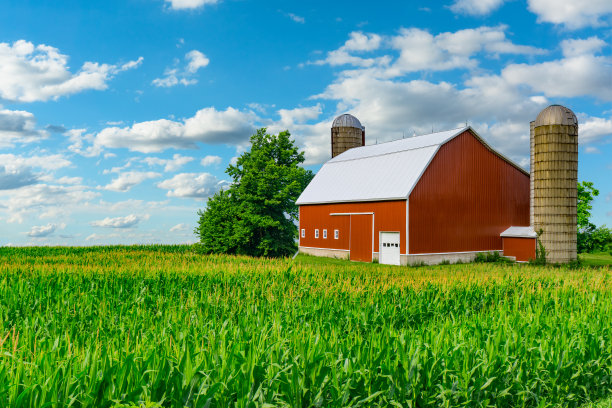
(164, 327)
(596, 259)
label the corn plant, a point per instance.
(166, 327)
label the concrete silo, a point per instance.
(346, 133)
(554, 177)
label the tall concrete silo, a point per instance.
(554, 177)
(346, 133)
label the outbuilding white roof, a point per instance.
(519, 232)
(386, 171)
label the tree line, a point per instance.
(590, 237)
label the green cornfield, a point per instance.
(166, 327)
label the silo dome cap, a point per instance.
(347, 120)
(556, 115)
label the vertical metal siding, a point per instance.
(361, 237)
(388, 216)
(467, 196)
(523, 249)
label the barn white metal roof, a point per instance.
(386, 171)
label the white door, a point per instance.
(389, 248)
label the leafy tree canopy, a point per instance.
(590, 237)
(256, 214)
(586, 193)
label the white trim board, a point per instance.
(353, 213)
(326, 249)
(462, 252)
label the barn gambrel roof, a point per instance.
(386, 171)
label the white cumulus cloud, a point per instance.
(357, 42)
(289, 117)
(422, 51)
(81, 143)
(44, 201)
(208, 125)
(572, 14)
(189, 4)
(170, 79)
(125, 181)
(210, 160)
(176, 162)
(43, 230)
(419, 50)
(16, 177)
(575, 47)
(17, 126)
(195, 61)
(581, 75)
(30, 73)
(48, 162)
(179, 227)
(128, 221)
(594, 129)
(192, 185)
(476, 7)
(175, 76)
(16, 171)
(392, 102)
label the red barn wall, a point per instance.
(467, 196)
(388, 216)
(523, 249)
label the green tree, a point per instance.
(256, 215)
(602, 239)
(586, 193)
(216, 225)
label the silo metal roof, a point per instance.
(347, 120)
(556, 115)
(386, 171)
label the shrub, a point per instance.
(483, 257)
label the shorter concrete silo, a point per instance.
(554, 177)
(346, 133)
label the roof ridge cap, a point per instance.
(459, 131)
(383, 154)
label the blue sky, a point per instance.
(118, 118)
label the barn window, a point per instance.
(303, 233)
(336, 234)
(324, 234)
(317, 233)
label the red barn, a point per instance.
(447, 195)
